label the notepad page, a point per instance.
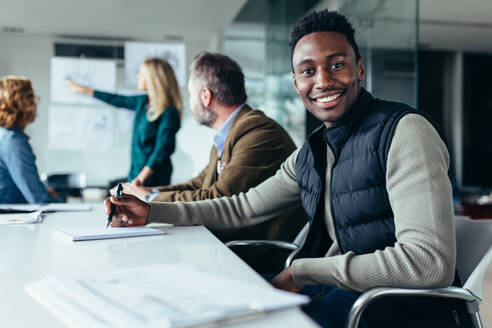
(95, 233)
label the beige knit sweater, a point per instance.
(419, 191)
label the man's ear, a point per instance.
(295, 81)
(361, 70)
(206, 97)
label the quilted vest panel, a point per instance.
(360, 207)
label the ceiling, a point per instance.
(444, 24)
(145, 20)
(464, 25)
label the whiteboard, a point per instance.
(137, 52)
(80, 128)
(93, 73)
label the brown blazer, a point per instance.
(253, 151)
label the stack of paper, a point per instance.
(21, 218)
(33, 213)
(168, 295)
(55, 207)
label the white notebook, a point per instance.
(94, 233)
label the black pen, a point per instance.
(117, 194)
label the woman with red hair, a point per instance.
(19, 179)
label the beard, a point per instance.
(204, 116)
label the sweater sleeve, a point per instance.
(419, 191)
(112, 99)
(277, 194)
(21, 164)
(165, 139)
(255, 157)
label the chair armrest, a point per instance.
(267, 243)
(375, 293)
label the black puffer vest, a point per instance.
(360, 207)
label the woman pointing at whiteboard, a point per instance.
(157, 119)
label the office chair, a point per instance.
(66, 184)
(292, 247)
(474, 253)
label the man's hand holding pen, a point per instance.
(139, 191)
(128, 211)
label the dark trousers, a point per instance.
(329, 305)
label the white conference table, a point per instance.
(29, 252)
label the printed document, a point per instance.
(164, 295)
(54, 207)
(21, 218)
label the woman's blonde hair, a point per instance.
(17, 102)
(162, 87)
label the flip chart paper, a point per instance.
(137, 52)
(94, 73)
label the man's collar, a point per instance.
(336, 135)
(221, 135)
(363, 94)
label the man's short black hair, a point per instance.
(323, 21)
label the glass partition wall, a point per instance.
(386, 32)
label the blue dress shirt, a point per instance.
(221, 135)
(19, 180)
(219, 141)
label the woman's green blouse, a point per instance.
(152, 142)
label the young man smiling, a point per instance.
(327, 73)
(372, 180)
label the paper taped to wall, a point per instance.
(137, 52)
(94, 73)
(80, 128)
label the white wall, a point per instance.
(29, 55)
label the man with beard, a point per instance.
(248, 148)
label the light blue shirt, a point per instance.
(19, 179)
(221, 135)
(219, 141)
